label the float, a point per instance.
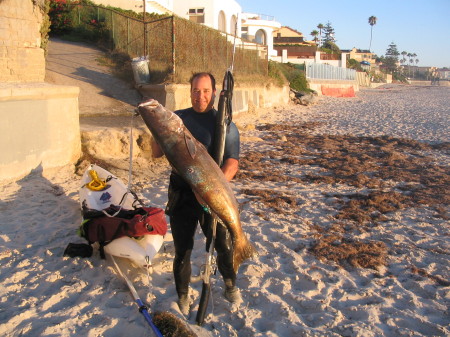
(101, 189)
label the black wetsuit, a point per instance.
(185, 212)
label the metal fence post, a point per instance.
(257, 59)
(112, 30)
(173, 48)
(128, 36)
(204, 49)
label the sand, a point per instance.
(346, 200)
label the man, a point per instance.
(184, 209)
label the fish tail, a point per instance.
(242, 253)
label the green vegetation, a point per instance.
(389, 63)
(330, 47)
(69, 20)
(377, 77)
(354, 64)
(276, 74)
(43, 6)
(329, 33)
(292, 73)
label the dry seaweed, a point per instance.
(335, 248)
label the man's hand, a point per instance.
(230, 168)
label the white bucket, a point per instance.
(141, 71)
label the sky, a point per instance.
(415, 26)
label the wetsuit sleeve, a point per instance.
(232, 143)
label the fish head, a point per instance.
(154, 109)
(158, 117)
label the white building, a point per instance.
(259, 28)
(217, 14)
(159, 6)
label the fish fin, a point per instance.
(190, 144)
(243, 253)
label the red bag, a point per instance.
(133, 223)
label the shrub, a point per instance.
(294, 74)
(276, 74)
(330, 48)
(59, 13)
(353, 64)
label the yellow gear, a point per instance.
(96, 184)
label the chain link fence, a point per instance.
(176, 48)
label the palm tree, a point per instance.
(409, 55)
(417, 61)
(372, 22)
(314, 34)
(404, 53)
(320, 26)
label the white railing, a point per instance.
(329, 72)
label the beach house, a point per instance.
(290, 44)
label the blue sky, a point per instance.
(415, 26)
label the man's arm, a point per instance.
(230, 168)
(156, 150)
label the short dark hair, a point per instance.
(204, 74)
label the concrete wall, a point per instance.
(245, 98)
(39, 122)
(39, 127)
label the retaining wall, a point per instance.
(245, 98)
(39, 125)
(39, 128)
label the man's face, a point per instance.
(202, 94)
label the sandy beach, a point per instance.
(346, 201)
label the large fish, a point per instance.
(192, 161)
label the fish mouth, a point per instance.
(151, 103)
(154, 107)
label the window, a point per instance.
(222, 23)
(197, 15)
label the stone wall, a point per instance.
(21, 58)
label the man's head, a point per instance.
(203, 91)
